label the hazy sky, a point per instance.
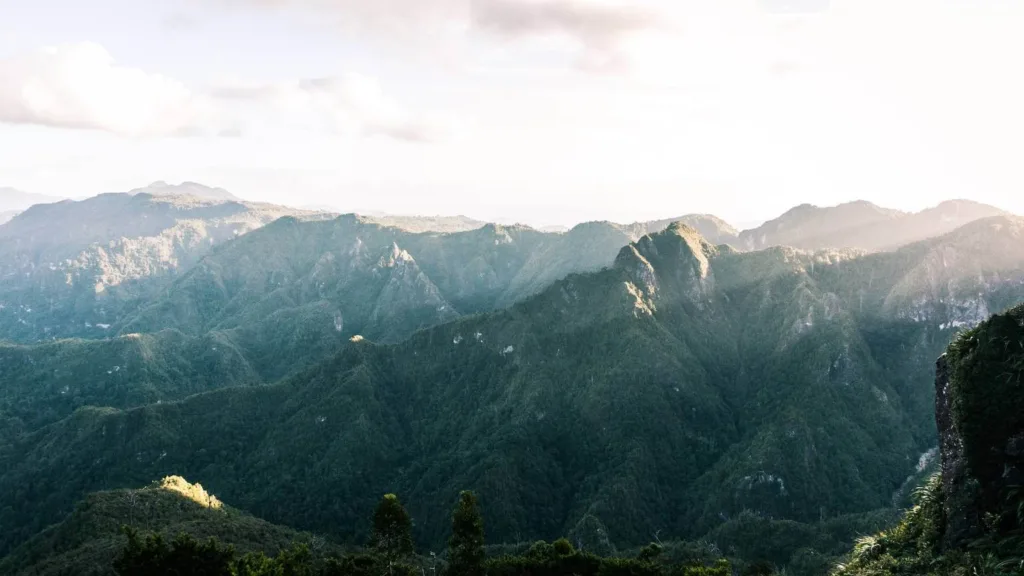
(543, 111)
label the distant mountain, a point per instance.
(683, 387)
(83, 269)
(861, 225)
(8, 215)
(161, 188)
(554, 228)
(71, 268)
(712, 228)
(360, 277)
(377, 281)
(12, 200)
(417, 224)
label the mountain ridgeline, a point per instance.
(682, 387)
(610, 383)
(861, 225)
(72, 268)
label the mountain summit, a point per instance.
(161, 188)
(861, 224)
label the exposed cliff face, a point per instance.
(963, 520)
(971, 519)
(979, 411)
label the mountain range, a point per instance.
(612, 382)
(861, 225)
(679, 387)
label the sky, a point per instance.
(548, 112)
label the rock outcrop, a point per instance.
(979, 412)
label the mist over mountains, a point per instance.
(609, 382)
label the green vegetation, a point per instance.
(970, 519)
(88, 540)
(72, 269)
(392, 530)
(668, 394)
(466, 544)
(188, 531)
(772, 405)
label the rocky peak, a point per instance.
(678, 256)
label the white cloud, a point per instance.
(349, 104)
(80, 86)
(596, 26)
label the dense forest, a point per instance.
(600, 389)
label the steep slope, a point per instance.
(88, 540)
(861, 225)
(8, 215)
(970, 518)
(73, 268)
(84, 269)
(671, 392)
(45, 383)
(380, 282)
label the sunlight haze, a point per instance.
(543, 112)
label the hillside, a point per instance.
(683, 386)
(84, 269)
(88, 540)
(861, 225)
(380, 282)
(72, 268)
(970, 518)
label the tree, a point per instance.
(392, 530)
(153, 557)
(650, 552)
(466, 546)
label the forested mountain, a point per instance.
(671, 392)
(357, 277)
(108, 265)
(861, 225)
(89, 539)
(72, 268)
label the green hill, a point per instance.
(87, 541)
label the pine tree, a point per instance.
(392, 530)
(466, 545)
